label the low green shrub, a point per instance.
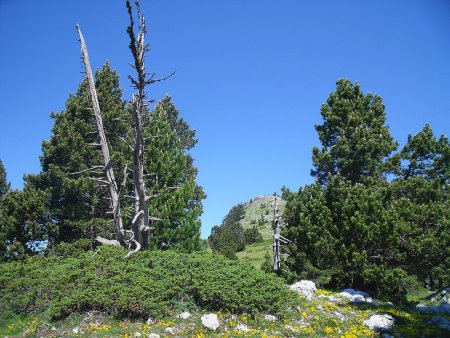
(150, 283)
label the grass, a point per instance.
(254, 253)
(259, 206)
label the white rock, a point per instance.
(137, 334)
(306, 288)
(372, 301)
(153, 335)
(184, 315)
(76, 330)
(170, 330)
(356, 296)
(210, 321)
(270, 318)
(330, 298)
(379, 322)
(242, 328)
(442, 308)
(290, 328)
(150, 321)
(339, 315)
(356, 292)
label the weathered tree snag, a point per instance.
(276, 236)
(110, 178)
(278, 239)
(140, 223)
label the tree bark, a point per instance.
(276, 236)
(140, 224)
(113, 191)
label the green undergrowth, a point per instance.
(150, 283)
(307, 318)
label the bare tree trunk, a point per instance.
(113, 190)
(276, 236)
(140, 224)
(278, 239)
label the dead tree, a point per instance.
(141, 221)
(277, 238)
(140, 224)
(108, 168)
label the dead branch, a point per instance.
(105, 241)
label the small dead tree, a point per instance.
(277, 238)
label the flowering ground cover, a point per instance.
(318, 317)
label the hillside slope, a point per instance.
(259, 212)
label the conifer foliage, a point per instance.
(353, 227)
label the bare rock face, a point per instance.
(305, 288)
(210, 321)
(379, 322)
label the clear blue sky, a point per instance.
(251, 77)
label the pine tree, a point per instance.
(355, 141)
(176, 198)
(4, 184)
(24, 223)
(78, 202)
(422, 199)
(344, 229)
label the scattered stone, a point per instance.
(306, 288)
(290, 328)
(270, 318)
(355, 296)
(150, 321)
(356, 292)
(153, 335)
(184, 315)
(339, 315)
(379, 322)
(53, 328)
(137, 334)
(441, 322)
(443, 296)
(442, 308)
(372, 301)
(330, 298)
(242, 328)
(170, 330)
(210, 321)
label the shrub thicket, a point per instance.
(147, 284)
